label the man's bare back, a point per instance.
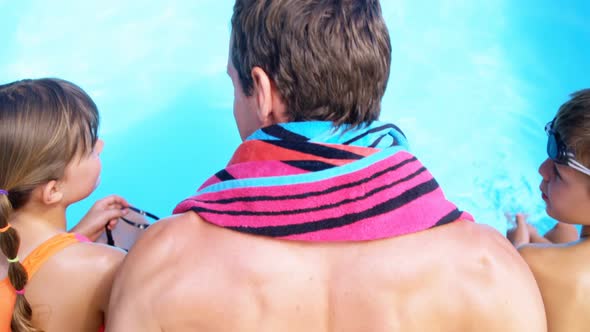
(459, 277)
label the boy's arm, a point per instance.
(562, 233)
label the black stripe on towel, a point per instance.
(344, 201)
(282, 133)
(316, 150)
(374, 130)
(329, 223)
(378, 140)
(452, 216)
(224, 175)
(311, 193)
(309, 165)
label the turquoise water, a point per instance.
(472, 85)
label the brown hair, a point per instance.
(44, 124)
(572, 122)
(329, 60)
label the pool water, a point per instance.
(472, 85)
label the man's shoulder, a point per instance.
(494, 247)
(157, 258)
(168, 236)
(474, 249)
(477, 249)
(490, 267)
(466, 234)
(173, 225)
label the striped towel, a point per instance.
(308, 181)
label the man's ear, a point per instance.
(51, 193)
(269, 105)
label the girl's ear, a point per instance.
(51, 193)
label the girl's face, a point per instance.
(566, 193)
(82, 175)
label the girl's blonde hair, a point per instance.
(44, 125)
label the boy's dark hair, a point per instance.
(572, 122)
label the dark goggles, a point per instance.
(556, 149)
(559, 152)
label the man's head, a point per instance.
(324, 59)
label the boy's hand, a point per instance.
(519, 235)
(105, 212)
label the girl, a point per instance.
(49, 159)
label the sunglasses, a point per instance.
(142, 221)
(559, 152)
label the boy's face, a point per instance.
(566, 193)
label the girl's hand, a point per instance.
(105, 212)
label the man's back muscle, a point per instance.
(459, 277)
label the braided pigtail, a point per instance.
(9, 244)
